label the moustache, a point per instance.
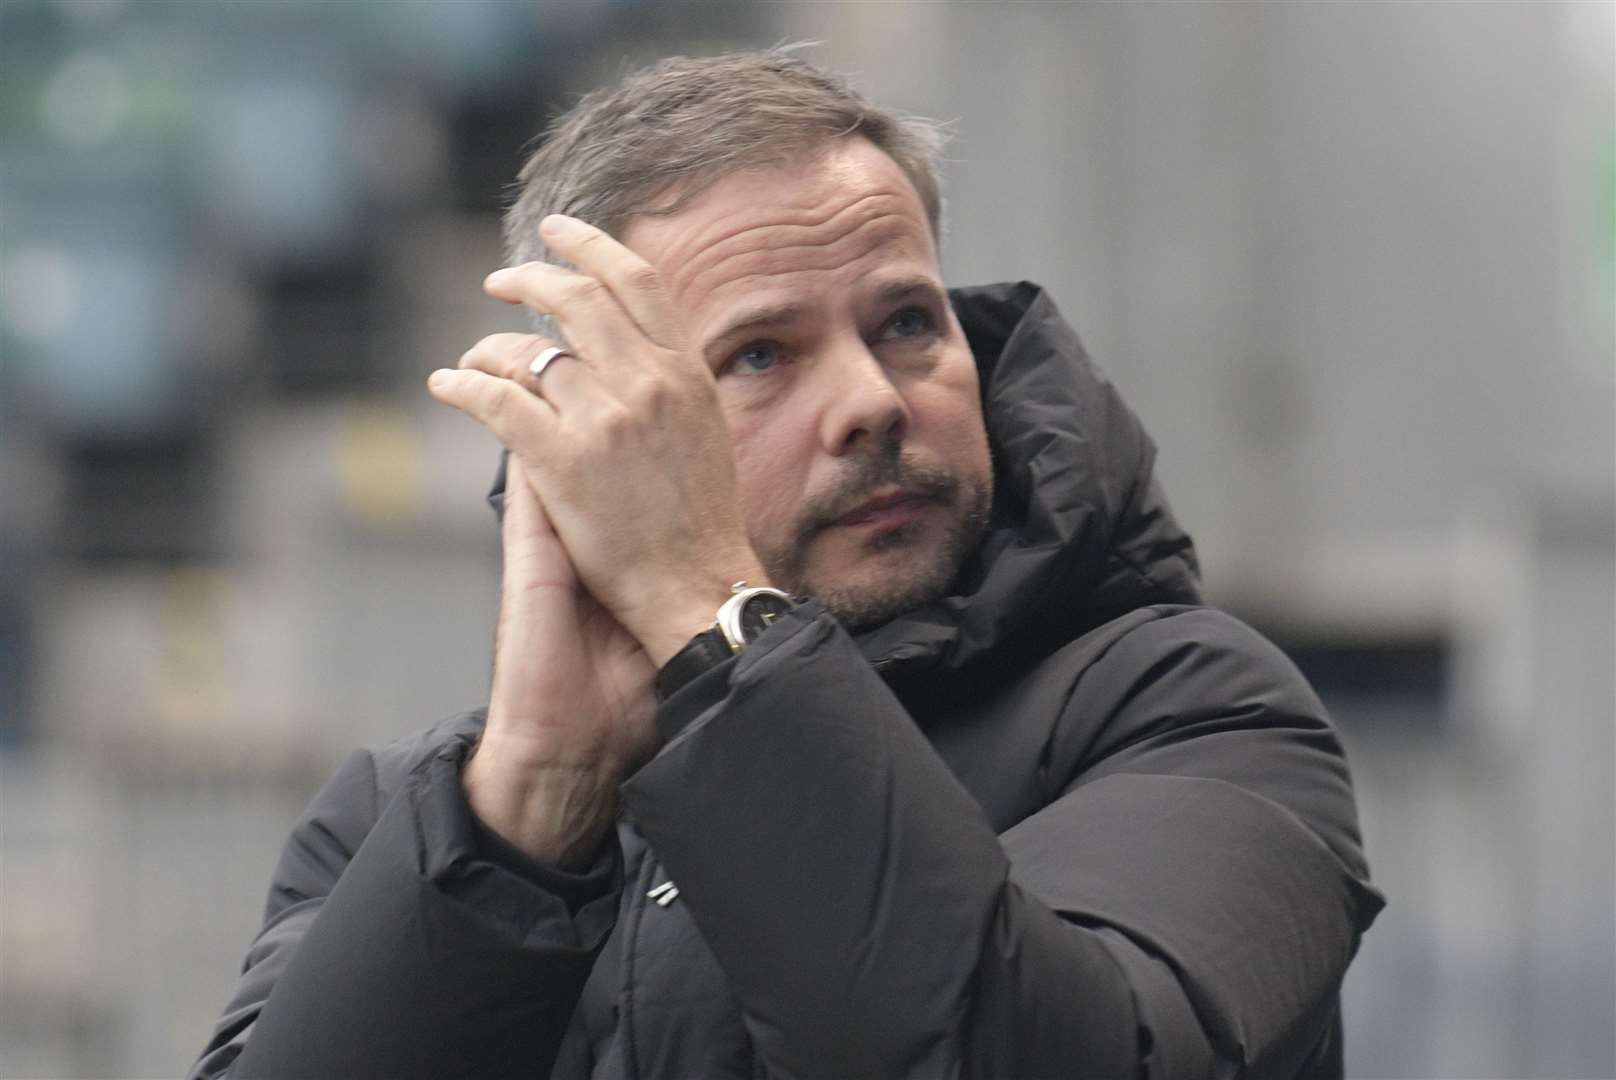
(864, 476)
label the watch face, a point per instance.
(758, 612)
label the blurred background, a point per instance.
(1355, 264)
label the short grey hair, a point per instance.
(668, 132)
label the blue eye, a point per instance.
(755, 359)
(910, 322)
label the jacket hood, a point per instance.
(1081, 530)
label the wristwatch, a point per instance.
(745, 615)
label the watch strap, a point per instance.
(700, 655)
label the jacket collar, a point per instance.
(1081, 531)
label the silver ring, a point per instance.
(545, 359)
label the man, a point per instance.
(964, 781)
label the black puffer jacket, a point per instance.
(1064, 823)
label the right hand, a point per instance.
(572, 708)
(626, 442)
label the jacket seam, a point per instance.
(631, 933)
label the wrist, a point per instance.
(552, 805)
(742, 619)
(674, 629)
(687, 609)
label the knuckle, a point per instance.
(615, 420)
(512, 343)
(641, 276)
(498, 403)
(581, 290)
(490, 349)
(648, 396)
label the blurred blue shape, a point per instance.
(280, 167)
(109, 369)
(89, 267)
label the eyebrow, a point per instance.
(773, 315)
(760, 318)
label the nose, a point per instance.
(863, 406)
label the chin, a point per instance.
(893, 574)
(880, 577)
(865, 609)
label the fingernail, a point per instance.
(555, 224)
(498, 277)
(440, 378)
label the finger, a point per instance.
(538, 575)
(517, 508)
(521, 421)
(635, 282)
(568, 382)
(589, 315)
(522, 504)
(511, 356)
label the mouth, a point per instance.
(889, 509)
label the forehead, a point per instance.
(841, 216)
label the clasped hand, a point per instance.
(622, 533)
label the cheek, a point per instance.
(768, 480)
(950, 409)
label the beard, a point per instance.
(918, 581)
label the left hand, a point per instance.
(570, 709)
(625, 442)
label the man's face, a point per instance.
(812, 291)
